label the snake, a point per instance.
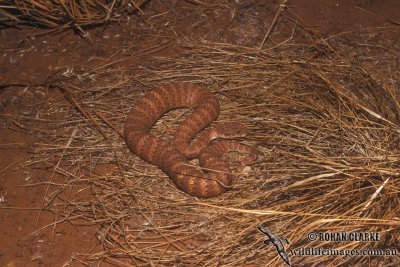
(198, 136)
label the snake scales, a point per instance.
(173, 157)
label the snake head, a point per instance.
(230, 130)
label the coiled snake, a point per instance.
(173, 157)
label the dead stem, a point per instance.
(60, 14)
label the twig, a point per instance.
(282, 6)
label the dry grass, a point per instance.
(329, 133)
(61, 13)
(330, 137)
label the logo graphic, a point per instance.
(277, 242)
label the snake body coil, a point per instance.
(173, 158)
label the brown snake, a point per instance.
(173, 158)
